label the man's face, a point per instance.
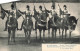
(27, 8)
(40, 8)
(12, 8)
(64, 7)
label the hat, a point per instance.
(53, 6)
(12, 6)
(40, 6)
(27, 6)
(64, 6)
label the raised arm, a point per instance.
(7, 11)
(21, 12)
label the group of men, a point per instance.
(27, 24)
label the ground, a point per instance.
(35, 45)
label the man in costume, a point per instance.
(27, 23)
(11, 23)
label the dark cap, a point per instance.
(53, 6)
(40, 6)
(64, 6)
(12, 6)
(27, 6)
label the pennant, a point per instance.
(35, 15)
(17, 14)
(60, 11)
(3, 14)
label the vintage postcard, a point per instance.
(40, 25)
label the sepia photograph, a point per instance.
(26, 25)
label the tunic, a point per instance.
(12, 21)
(43, 20)
(27, 22)
(65, 19)
(54, 17)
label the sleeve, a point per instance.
(7, 11)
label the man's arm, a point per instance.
(21, 12)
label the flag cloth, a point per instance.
(35, 12)
(17, 14)
(3, 14)
(35, 15)
(61, 12)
